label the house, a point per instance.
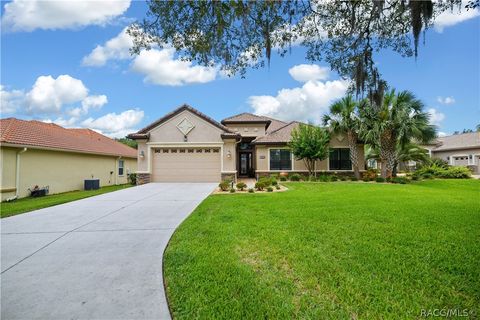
(188, 146)
(458, 149)
(45, 154)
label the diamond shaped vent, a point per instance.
(185, 126)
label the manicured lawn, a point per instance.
(8, 209)
(337, 250)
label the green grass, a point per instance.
(337, 250)
(23, 205)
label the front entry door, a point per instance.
(245, 163)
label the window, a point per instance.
(339, 159)
(120, 167)
(280, 159)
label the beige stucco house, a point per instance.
(45, 154)
(458, 149)
(188, 146)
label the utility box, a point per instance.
(92, 184)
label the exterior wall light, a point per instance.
(142, 154)
(229, 154)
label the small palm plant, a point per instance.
(344, 118)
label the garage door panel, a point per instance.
(186, 166)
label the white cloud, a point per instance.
(436, 117)
(160, 67)
(10, 101)
(306, 103)
(116, 125)
(48, 94)
(450, 18)
(28, 15)
(446, 100)
(114, 49)
(442, 134)
(66, 123)
(307, 72)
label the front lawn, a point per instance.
(8, 209)
(341, 250)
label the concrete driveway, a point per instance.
(96, 258)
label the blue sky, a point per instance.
(57, 65)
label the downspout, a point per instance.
(17, 176)
(116, 170)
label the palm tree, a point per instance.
(394, 124)
(344, 118)
(404, 154)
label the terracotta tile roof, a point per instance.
(273, 124)
(172, 114)
(246, 117)
(49, 135)
(459, 141)
(281, 135)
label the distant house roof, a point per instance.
(142, 134)
(281, 135)
(49, 135)
(458, 141)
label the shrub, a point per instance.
(241, 186)
(324, 177)
(353, 179)
(343, 178)
(277, 187)
(312, 178)
(251, 190)
(132, 178)
(380, 179)
(436, 171)
(232, 190)
(439, 163)
(269, 189)
(274, 182)
(400, 180)
(295, 177)
(260, 186)
(414, 178)
(456, 173)
(224, 185)
(366, 179)
(370, 174)
(283, 178)
(267, 181)
(333, 178)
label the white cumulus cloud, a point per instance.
(116, 125)
(446, 100)
(306, 103)
(436, 117)
(160, 67)
(28, 15)
(10, 101)
(48, 94)
(450, 18)
(114, 49)
(307, 72)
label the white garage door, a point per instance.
(186, 165)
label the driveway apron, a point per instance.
(95, 258)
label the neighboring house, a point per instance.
(459, 150)
(188, 146)
(45, 154)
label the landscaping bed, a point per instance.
(329, 251)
